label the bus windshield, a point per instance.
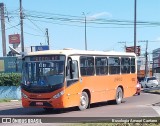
(44, 71)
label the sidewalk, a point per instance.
(10, 104)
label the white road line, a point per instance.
(157, 109)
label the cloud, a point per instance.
(98, 15)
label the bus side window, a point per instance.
(87, 65)
(101, 64)
(125, 65)
(114, 65)
(133, 65)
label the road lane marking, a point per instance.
(157, 109)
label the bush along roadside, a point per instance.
(10, 79)
(10, 86)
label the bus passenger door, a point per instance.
(72, 72)
(72, 85)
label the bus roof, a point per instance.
(68, 52)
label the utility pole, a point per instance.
(85, 30)
(3, 29)
(47, 36)
(21, 22)
(146, 58)
(135, 20)
(85, 35)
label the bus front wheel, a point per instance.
(119, 95)
(84, 101)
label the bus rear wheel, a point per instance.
(119, 95)
(84, 101)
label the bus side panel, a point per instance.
(103, 88)
(130, 82)
(97, 86)
(72, 95)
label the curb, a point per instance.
(152, 92)
(14, 100)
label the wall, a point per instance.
(10, 92)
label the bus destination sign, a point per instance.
(47, 57)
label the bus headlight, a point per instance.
(58, 95)
(24, 95)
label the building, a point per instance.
(141, 61)
(156, 63)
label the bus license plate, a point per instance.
(39, 103)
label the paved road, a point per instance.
(145, 105)
(136, 106)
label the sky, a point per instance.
(109, 23)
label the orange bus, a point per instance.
(66, 78)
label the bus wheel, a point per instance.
(84, 101)
(119, 95)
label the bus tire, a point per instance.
(84, 101)
(119, 95)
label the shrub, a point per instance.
(10, 79)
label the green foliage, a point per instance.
(5, 100)
(10, 79)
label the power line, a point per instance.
(103, 20)
(25, 32)
(79, 19)
(12, 27)
(36, 25)
(45, 21)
